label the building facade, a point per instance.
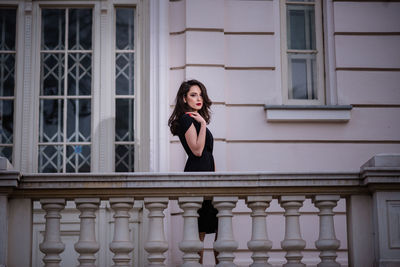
(87, 86)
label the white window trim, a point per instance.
(320, 57)
(151, 80)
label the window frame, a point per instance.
(320, 65)
(65, 96)
(134, 97)
(14, 97)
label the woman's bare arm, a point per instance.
(196, 142)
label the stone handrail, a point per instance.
(378, 176)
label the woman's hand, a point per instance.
(197, 117)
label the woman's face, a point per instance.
(194, 98)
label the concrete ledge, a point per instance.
(285, 113)
(381, 172)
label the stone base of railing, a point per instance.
(372, 197)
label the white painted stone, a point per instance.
(386, 212)
(259, 243)
(191, 243)
(52, 245)
(327, 242)
(303, 115)
(177, 21)
(366, 51)
(196, 10)
(218, 121)
(3, 229)
(366, 87)
(367, 16)
(121, 245)
(259, 16)
(365, 124)
(251, 87)
(294, 156)
(177, 50)
(360, 227)
(87, 245)
(249, 51)
(156, 243)
(293, 243)
(383, 160)
(205, 48)
(225, 243)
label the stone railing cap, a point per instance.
(383, 160)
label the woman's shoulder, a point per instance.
(185, 118)
(184, 123)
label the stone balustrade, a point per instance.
(157, 191)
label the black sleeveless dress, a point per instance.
(207, 221)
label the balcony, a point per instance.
(138, 203)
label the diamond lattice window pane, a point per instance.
(53, 29)
(7, 69)
(7, 28)
(124, 73)
(80, 29)
(78, 120)
(78, 158)
(6, 121)
(50, 159)
(124, 158)
(6, 151)
(124, 126)
(125, 28)
(51, 120)
(79, 74)
(52, 74)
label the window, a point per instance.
(65, 90)
(7, 80)
(302, 57)
(124, 90)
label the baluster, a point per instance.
(156, 243)
(293, 244)
(52, 245)
(191, 243)
(327, 242)
(121, 245)
(259, 243)
(225, 243)
(87, 245)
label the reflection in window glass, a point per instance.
(302, 79)
(301, 45)
(65, 90)
(124, 28)
(124, 90)
(7, 80)
(301, 28)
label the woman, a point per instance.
(189, 121)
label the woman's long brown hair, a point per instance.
(181, 107)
